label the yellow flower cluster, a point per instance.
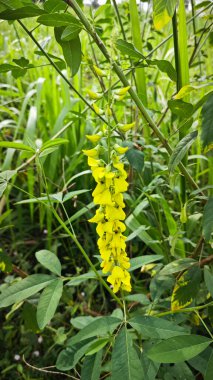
(111, 183)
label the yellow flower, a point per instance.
(98, 110)
(99, 72)
(114, 213)
(93, 138)
(122, 91)
(120, 149)
(126, 127)
(99, 216)
(91, 152)
(120, 185)
(116, 278)
(93, 95)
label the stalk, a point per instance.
(139, 72)
(125, 82)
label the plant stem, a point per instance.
(125, 82)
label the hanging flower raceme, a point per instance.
(108, 194)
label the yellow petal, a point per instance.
(93, 138)
(98, 110)
(91, 152)
(99, 72)
(93, 95)
(122, 91)
(126, 127)
(120, 149)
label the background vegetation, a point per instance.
(50, 52)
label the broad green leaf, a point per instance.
(15, 145)
(177, 266)
(70, 32)
(156, 328)
(208, 276)
(24, 289)
(91, 368)
(49, 260)
(80, 322)
(77, 280)
(163, 12)
(20, 13)
(209, 369)
(208, 220)
(207, 122)
(136, 159)
(99, 327)
(178, 349)
(149, 368)
(181, 149)
(126, 364)
(141, 298)
(128, 49)
(52, 143)
(180, 108)
(52, 6)
(48, 302)
(68, 358)
(58, 19)
(71, 50)
(186, 288)
(165, 67)
(138, 262)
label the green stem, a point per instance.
(186, 310)
(125, 82)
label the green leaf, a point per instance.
(25, 288)
(52, 6)
(209, 369)
(149, 368)
(70, 32)
(156, 328)
(138, 262)
(99, 327)
(181, 149)
(68, 358)
(163, 12)
(125, 361)
(178, 349)
(4, 179)
(129, 49)
(165, 67)
(58, 20)
(141, 298)
(71, 50)
(208, 277)
(180, 108)
(20, 13)
(208, 220)
(80, 322)
(97, 346)
(52, 143)
(5, 262)
(49, 260)
(91, 368)
(207, 122)
(177, 266)
(15, 145)
(48, 302)
(77, 280)
(136, 159)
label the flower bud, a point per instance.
(99, 72)
(126, 127)
(122, 91)
(93, 95)
(98, 110)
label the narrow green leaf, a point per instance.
(58, 19)
(149, 368)
(208, 220)
(207, 122)
(178, 349)
(68, 358)
(128, 49)
(53, 143)
(126, 364)
(20, 13)
(208, 277)
(177, 266)
(71, 50)
(91, 369)
(97, 346)
(163, 12)
(48, 302)
(49, 260)
(138, 262)
(181, 149)
(136, 159)
(164, 66)
(25, 288)
(181, 108)
(15, 145)
(156, 328)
